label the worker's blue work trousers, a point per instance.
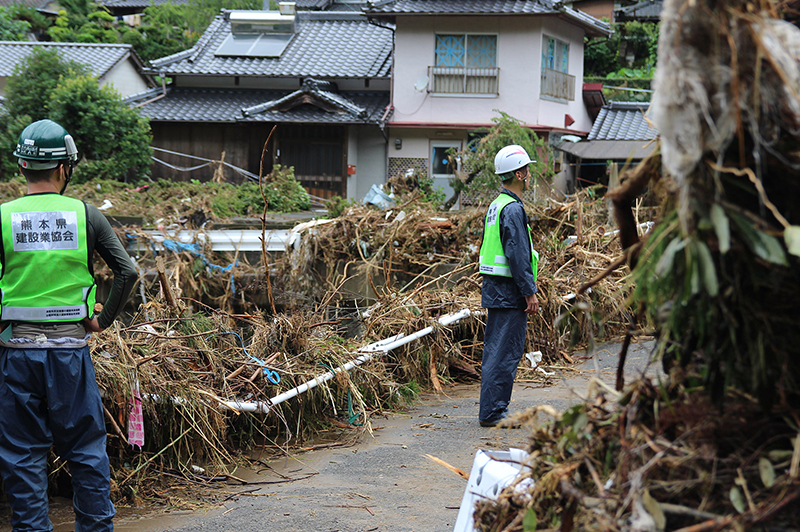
(503, 346)
(50, 396)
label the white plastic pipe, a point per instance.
(381, 346)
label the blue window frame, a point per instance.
(466, 50)
(555, 55)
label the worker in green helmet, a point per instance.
(48, 392)
(509, 266)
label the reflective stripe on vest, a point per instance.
(492, 257)
(46, 276)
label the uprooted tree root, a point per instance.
(653, 458)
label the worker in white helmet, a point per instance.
(509, 266)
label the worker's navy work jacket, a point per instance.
(510, 292)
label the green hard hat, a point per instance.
(43, 145)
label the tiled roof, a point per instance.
(219, 105)
(322, 93)
(36, 4)
(99, 57)
(312, 4)
(463, 7)
(649, 9)
(390, 8)
(622, 121)
(327, 44)
(139, 3)
(609, 150)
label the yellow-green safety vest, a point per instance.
(46, 275)
(493, 260)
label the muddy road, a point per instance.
(384, 482)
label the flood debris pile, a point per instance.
(655, 457)
(211, 384)
(206, 369)
(410, 250)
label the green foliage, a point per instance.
(619, 89)
(645, 72)
(635, 39)
(91, 27)
(113, 139)
(420, 183)
(283, 192)
(34, 79)
(164, 199)
(164, 31)
(11, 28)
(37, 21)
(171, 28)
(409, 392)
(600, 56)
(712, 294)
(428, 194)
(478, 157)
(337, 205)
(10, 129)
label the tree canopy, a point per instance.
(11, 27)
(112, 139)
(478, 157)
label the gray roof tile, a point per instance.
(649, 9)
(139, 3)
(463, 7)
(99, 57)
(207, 105)
(391, 8)
(312, 4)
(36, 4)
(327, 44)
(622, 121)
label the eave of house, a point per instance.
(391, 10)
(273, 106)
(620, 132)
(100, 58)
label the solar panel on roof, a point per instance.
(254, 45)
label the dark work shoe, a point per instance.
(501, 423)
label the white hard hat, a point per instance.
(510, 158)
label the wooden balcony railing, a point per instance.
(558, 84)
(457, 80)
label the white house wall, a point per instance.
(552, 112)
(519, 51)
(415, 150)
(125, 79)
(367, 152)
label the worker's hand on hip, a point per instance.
(533, 305)
(91, 325)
